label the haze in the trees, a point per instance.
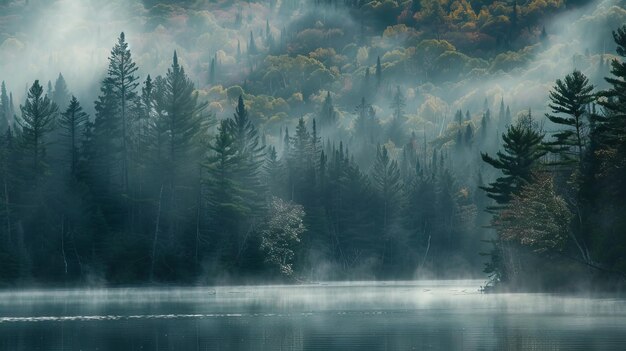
(364, 142)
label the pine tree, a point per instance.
(613, 125)
(395, 131)
(104, 147)
(38, 114)
(364, 123)
(571, 97)
(386, 180)
(485, 125)
(224, 193)
(72, 122)
(502, 122)
(5, 110)
(603, 187)
(273, 172)
(523, 148)
(212, 71)
(252, 49)
(469, 135)
(121, 76)
(11, 108)
(60, 96)
(180, 122)
(250, 158)
(458, 116)
(9, 175)
(301, 164)
(328, 115)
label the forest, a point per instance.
(206, 142)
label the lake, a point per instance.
(417, 315)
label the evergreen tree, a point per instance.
(365, 123)
(38, 114)
(104, 146)
(301, 164)
(212, 72)
(328, 115)
(72, 122)
(252, 49)
(523, 148)
(5, 110)
(613, 125)
(386, 181)
(395, 131)
(11, 108)
(571, 97)
(485, 125)
(181, 121)
(469, 134)
(250, 158)
(123, 80)
(225, 194)
(273, 172)
(502, 122)
(458, 116)
(60, 96)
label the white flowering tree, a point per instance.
(281, 233)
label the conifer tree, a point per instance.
(224, 192)
(181, 120)
(571, 97)
(523, 148)
(250, 158)
(212, 71)
(395, 131)
(386, 180)
(5, 109)
(38, 114)
(104, 147)
(469, 134)
(60, 96)
(252, 49)
(72, 122)
(328, 115)
(121, 75)
(613, 125)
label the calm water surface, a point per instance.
(421, 315)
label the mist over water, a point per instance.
(437, 315)
(314, 143)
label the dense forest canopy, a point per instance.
(217, 141)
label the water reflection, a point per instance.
(424, 315)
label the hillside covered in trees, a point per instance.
(199, 142)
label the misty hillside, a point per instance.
(295, 140)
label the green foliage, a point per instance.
(72, 122)
(523, 148)
(38, 116)
(572, 98)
